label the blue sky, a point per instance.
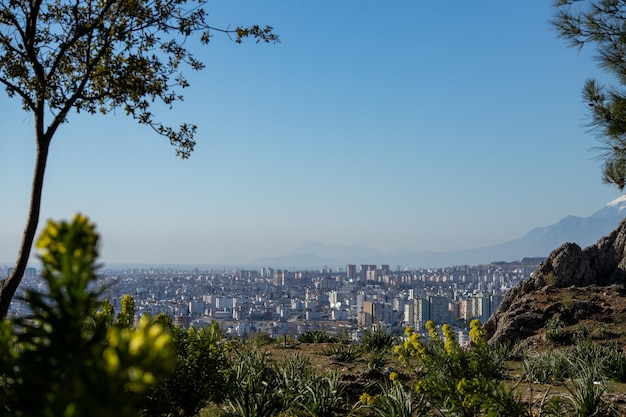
(399, 124)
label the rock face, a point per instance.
(522, 314)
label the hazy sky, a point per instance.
(391, 124)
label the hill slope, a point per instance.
(572, 287)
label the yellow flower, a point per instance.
(477, 333)
(422, 386)
(450, 344)
(462, 386)
(366, 399)
(136, 344)
(162, 341)
(432, 330)
(112, 359)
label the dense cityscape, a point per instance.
(287, 303)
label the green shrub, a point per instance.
(321, 396)
(317, 336)
(550, 279)
(547, 367)
(394, 401)
(555, 331)
(343, 352)
(567, 301)
(200, 374)
(254, 386)
(260, 339)
(376, 339)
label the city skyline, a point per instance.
(403, 125)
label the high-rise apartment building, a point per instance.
(439, 309)
(421, 311)
(482, 308)
(351, 271)
(364, 272)
(466, 310)
(435, 308)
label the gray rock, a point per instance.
(601, 264)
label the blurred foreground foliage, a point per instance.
(61, 359)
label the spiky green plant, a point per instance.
(254, 389)
(547, 367)
(317, 336)
(343, 352)
(586, 391)
(555, 331)
(376, 359)
(322, 396)
(376, 339)
(394, 401)
(294, 373)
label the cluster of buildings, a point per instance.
(284, 302)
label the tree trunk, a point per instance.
(9, 285)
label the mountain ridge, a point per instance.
(538, 242)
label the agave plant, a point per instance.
(294, 374)
(254, 390)
(393, 401)
(322, 396)
(587, 388)
(546, 367)
(342, 352)
(376, 339)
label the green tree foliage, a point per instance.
(63, 361)
(98, 56)
(601, 23)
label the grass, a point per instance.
(559, 383)
(542, 380)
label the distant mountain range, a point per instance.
(539, 242)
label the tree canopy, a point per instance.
(602, 24)
(97, 56)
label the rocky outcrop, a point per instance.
(521, 313)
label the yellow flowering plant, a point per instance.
(477, 333)
(65, 360)
(455, 380)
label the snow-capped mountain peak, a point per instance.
(619, 201)
(616, 208)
